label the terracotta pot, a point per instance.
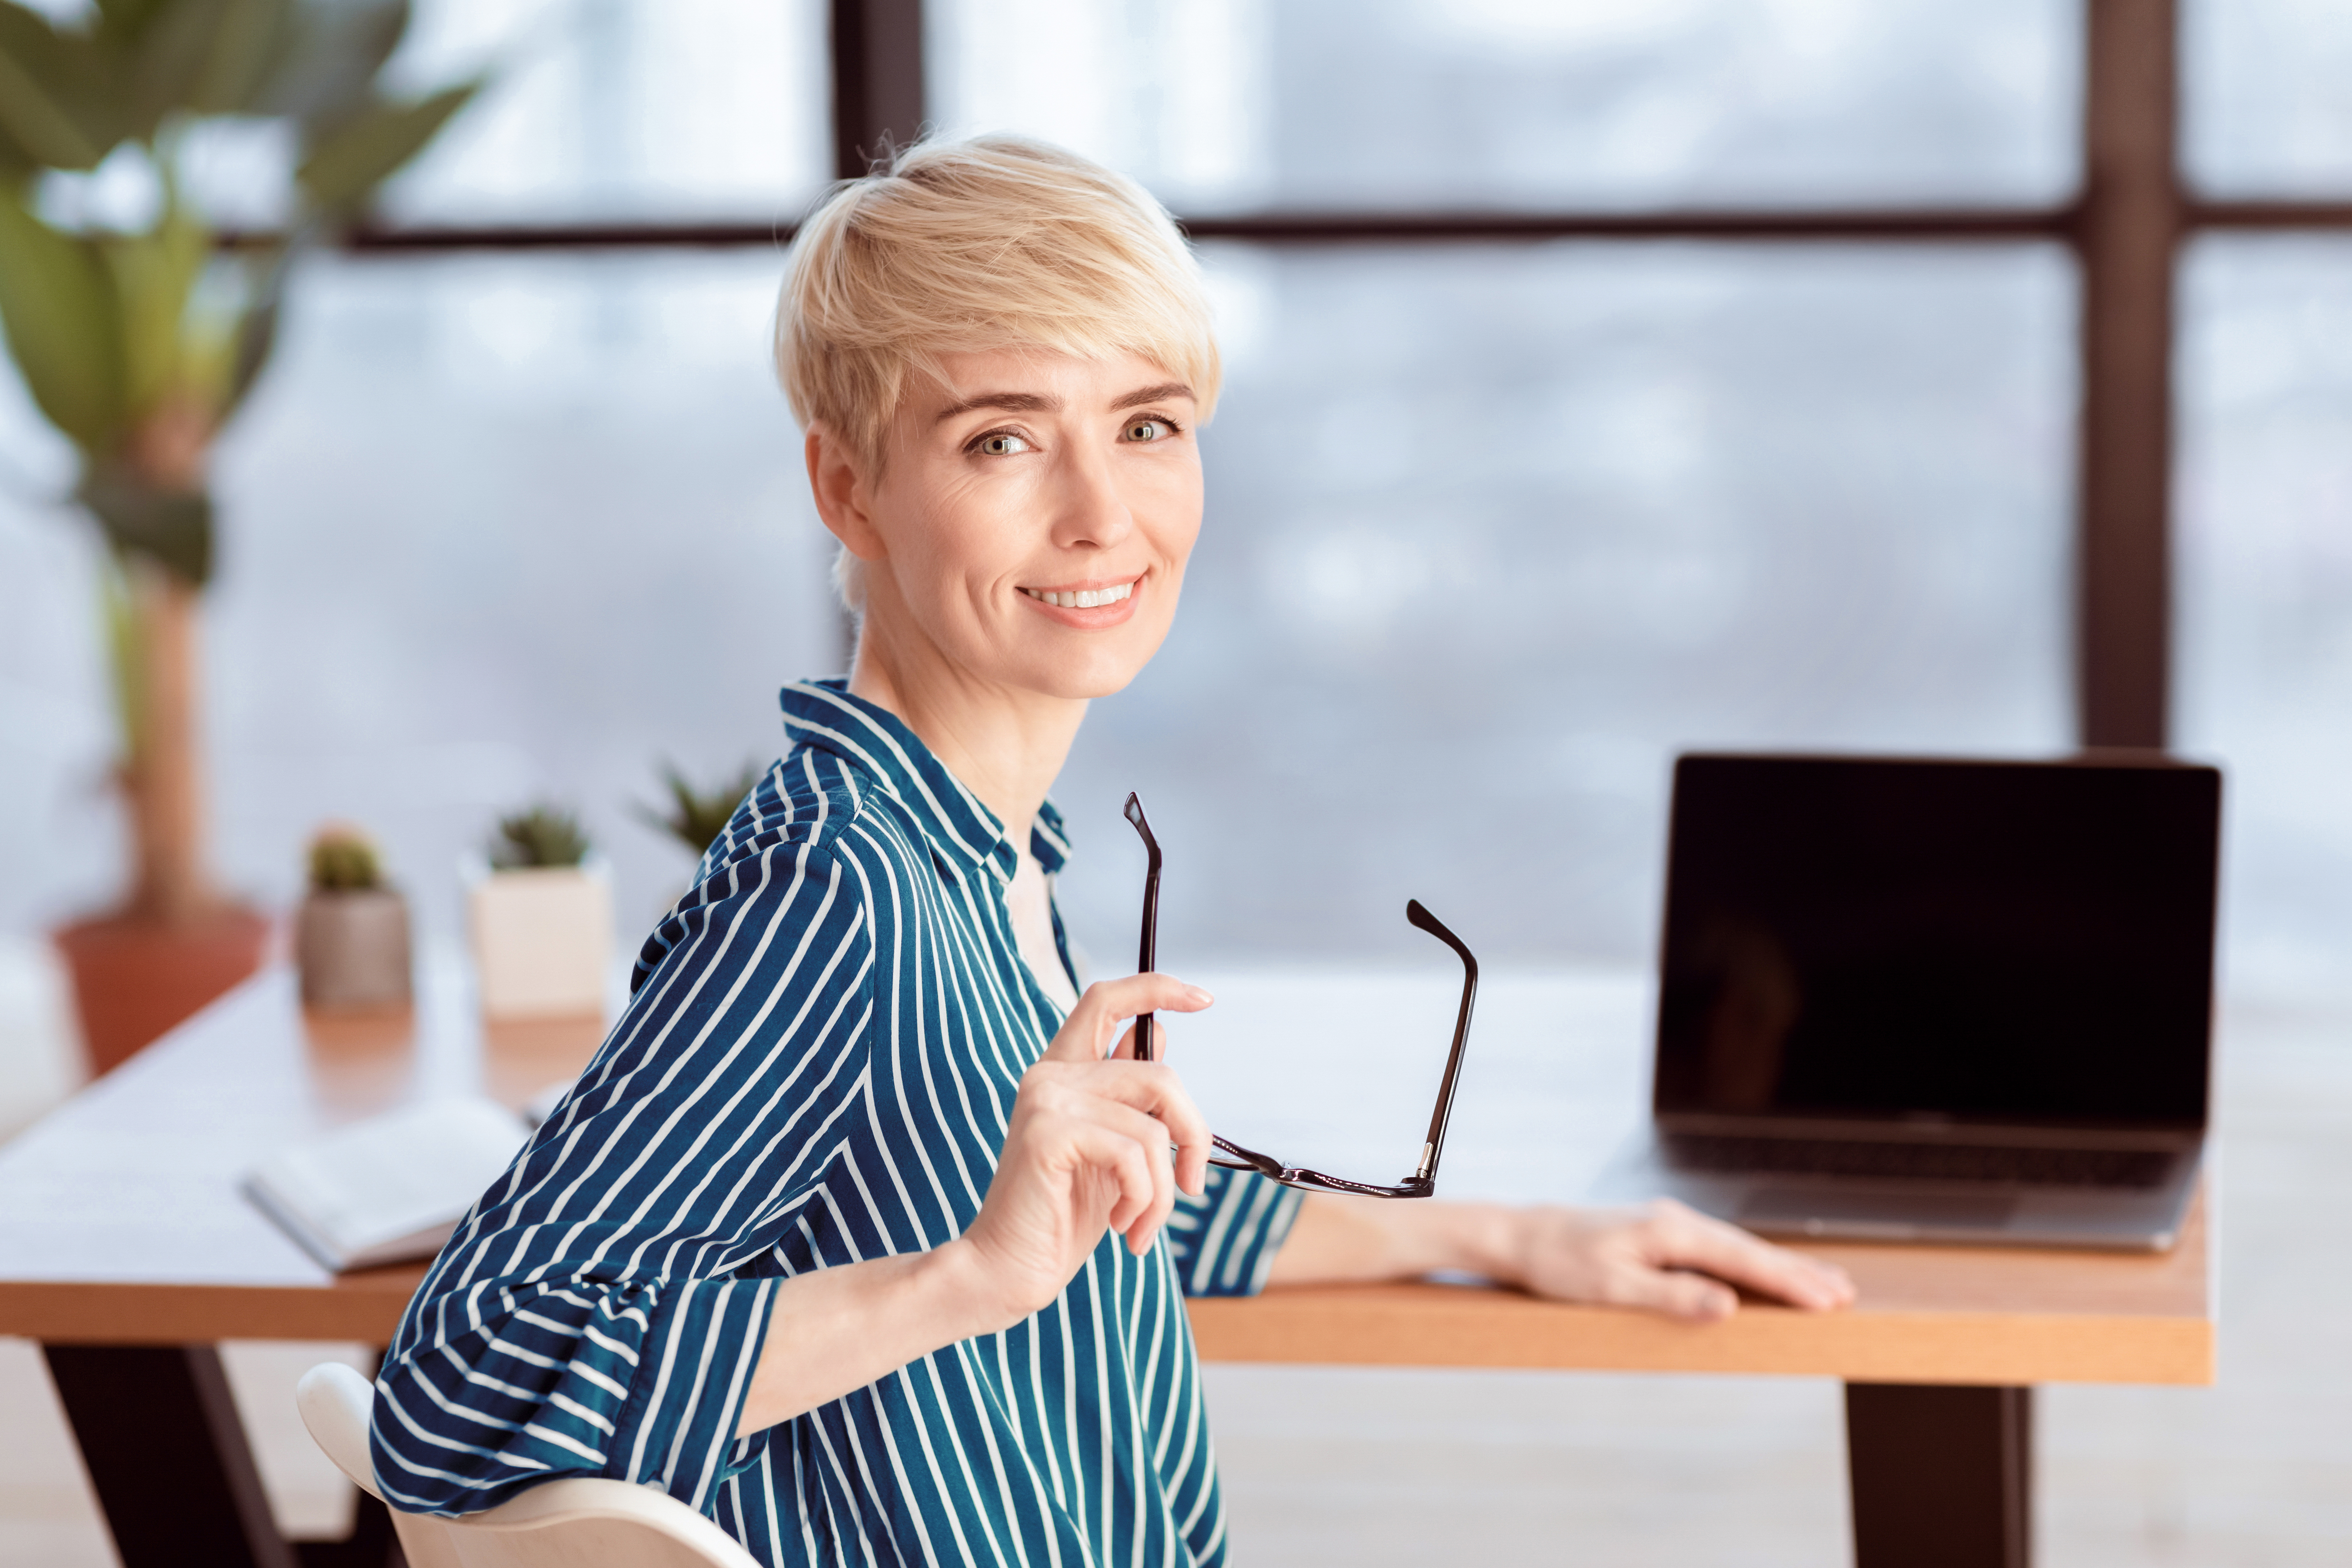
(543, 939)
(134, 977)
(351, 945)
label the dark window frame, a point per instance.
(2124, 228)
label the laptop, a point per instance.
(1914, 999)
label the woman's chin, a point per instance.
(1086, 665)
(1082, 686)
(1099, 672)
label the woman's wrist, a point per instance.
(960, 1296)
(1489, 1240)
(1339, 1239)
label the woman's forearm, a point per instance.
(1340, 1240)
(1094, 1144)
(840, 1329)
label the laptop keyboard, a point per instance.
(1922, 1162)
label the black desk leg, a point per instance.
(1942, 1476)
(166, 1453)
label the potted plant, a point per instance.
(696, 817)
(138, 335)
(541, 917)
(351, 935)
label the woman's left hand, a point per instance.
(1663, 1256)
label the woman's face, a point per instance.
(1033, 519)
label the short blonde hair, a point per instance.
(998, 242)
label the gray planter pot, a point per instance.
(353, 949)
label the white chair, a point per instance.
(563, 1524)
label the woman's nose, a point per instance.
(1088, 509)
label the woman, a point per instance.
(859, 1233)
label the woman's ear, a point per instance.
(843, 497)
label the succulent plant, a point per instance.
(343, 860)
(696, 817)
(542, 835)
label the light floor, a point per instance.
(1407, 1468)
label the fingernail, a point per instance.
(1198, 995)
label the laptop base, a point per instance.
(1986, 1214)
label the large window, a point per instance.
(2266, 577)
(2265, 487)
(2265, 112)
(1493, 531)
(621, 109)
(1763, 431)
(1383, 104)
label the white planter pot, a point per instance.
(543, 939)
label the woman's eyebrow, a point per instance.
(1165, 390)
(1039, 403)
(1014, 402)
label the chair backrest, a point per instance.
(563, 1524)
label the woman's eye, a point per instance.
(1149, 430)
(1000, 444)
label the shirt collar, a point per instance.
(964, 832)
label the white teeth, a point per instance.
(1084, 598)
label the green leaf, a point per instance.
(126, 647)
(696, 818)
(337, 50)
(64, 325)
(153, 274)
(345, 165)
(257, 333)
(542, 835)
(212, 56)
(54, 100)
(173, 529)
(122, 21)
(17, 165)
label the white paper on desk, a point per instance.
(390, 1188)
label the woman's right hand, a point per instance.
(1088, 1149)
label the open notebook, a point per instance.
(390, 1188)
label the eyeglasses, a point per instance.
(1424, 1181)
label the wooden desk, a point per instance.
(1926, 1315)
(125, 1249)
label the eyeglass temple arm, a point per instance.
(1147, 956)
(1435, 1143)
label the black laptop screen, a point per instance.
(2025, 942)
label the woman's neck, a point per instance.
(1005, 744)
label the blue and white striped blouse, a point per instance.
(816, 1067)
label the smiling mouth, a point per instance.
(1081, 598)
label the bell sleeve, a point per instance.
(1224, 1241)
(600, 1310)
